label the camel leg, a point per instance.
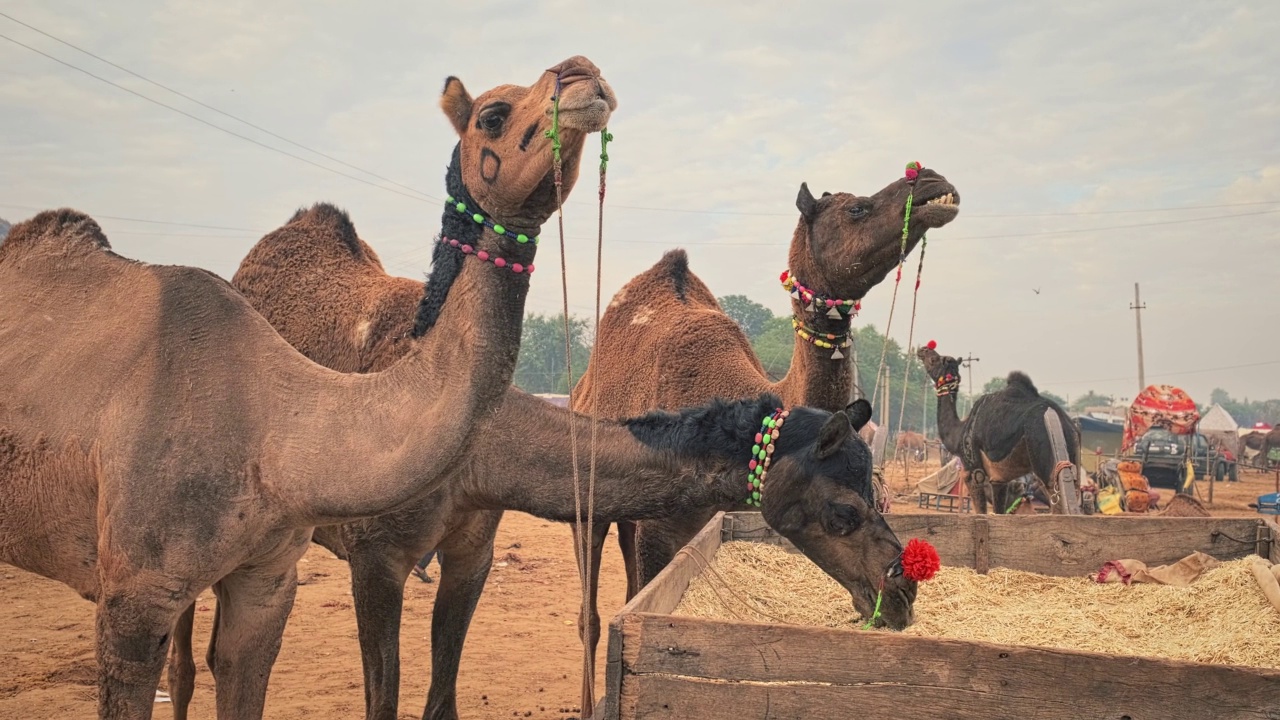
(378, 573)
(589, 627)
(627, 546)
(133, 627)
(253, 606)
(979, 488)
(658, 541)
(467, 554)
(182, 664)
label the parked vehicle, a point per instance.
(1164, 456)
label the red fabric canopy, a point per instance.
(1160, 406)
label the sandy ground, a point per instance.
(522, 657)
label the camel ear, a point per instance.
(805, 203)
(859, 412)
(456, 103)
(833, 434)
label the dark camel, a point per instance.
(826, 509)
(157, 436)
(843, 245)
(1008, 433)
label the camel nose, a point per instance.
(574, 69)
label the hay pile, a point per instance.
(1222, 617)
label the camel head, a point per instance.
(505, 155)
(820, 497)
(848, 243)
(942, 369)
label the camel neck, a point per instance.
(950, 426)
(416, 415)
(646, 468)
(815, 378)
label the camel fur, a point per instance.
(158, 436)
(1004, 437)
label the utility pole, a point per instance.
(1137, 307)
(968, 362)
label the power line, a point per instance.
(1169, 374)
(139, 220)
(1065, 213)
(202, 121)
(993, 237)
(210, 107)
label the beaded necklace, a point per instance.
(482, 220)
(484, 255)
(762, 454)
(827, 341)
(947, 384)
(836, 308)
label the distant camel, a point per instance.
(910, 444)
(1007, 434)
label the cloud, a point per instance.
(1084, 109)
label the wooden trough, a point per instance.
(666, 666)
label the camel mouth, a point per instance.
(588, 115)
(895, 609)
(938, 206)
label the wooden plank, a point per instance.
(608, 706)
(1058, 545)
(690, 667)
(661, 697)
(1052, 544)
(1273, 529)
(981, 538)
(663, 593)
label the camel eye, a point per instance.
(493, 118)
(858, 211)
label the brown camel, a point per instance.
(640, 477)
(158, 436)
(1008, 434)
(843, 245)
(1264, 443)
(910, 444)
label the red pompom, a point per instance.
(785, 274)
(933, 345)
(919, 560)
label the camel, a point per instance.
(842, 246)
(353, 331)
(1263, 444)
(911, 444)
(1007, 434)
(158, 436)
(820, 499)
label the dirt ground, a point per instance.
(522, 657)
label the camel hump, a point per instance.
(328, 221)
(64, 229)
(1020, 383)
(670, 277)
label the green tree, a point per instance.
(540, 367)
(774, 346)
(1090, 399)
(751, 316)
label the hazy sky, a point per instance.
(1095, 144)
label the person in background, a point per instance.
(421, 568)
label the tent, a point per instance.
(1218, 425)
(944, 480)
(1159, 406)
